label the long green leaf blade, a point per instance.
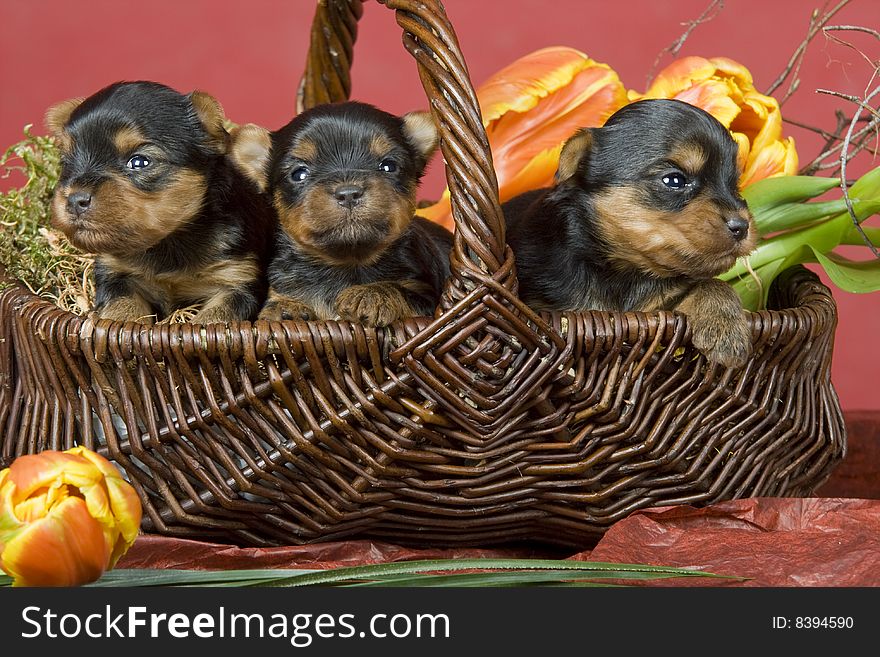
(854, 276)
(796, 215)
(854, 238)
(753, 293)
(866, 187)
(175, 577)
(522, 578)
(439, 572)
(413, 567)
(770, 192)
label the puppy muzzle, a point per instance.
(79, 204)
(738, 227)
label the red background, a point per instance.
(250, 55)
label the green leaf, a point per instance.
(439, 572)
(854, 276)
(752, 293)
(866, 187)
(770, 192)
(796, 215)
(854, 237)
(520, 577)
(173, 577)
(574, 569)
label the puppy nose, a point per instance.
(738, 226)
(348, 195)
(79, 202)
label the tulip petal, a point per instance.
(772, 160)
(113, 503)
(516, 139)
(730, 68)
(9, 522)
(124, 501)
(790, 166)
(744, 148)
(518, 86)
(65, 548)
(679, 75)
(538, 173)
(439, 212)
(714, 97)
(30, 472)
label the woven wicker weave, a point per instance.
(485, 424)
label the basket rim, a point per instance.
(802, 276)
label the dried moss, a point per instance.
(30, 249)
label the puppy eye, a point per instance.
(388, 166)
(674, 180)
(299, 174)
(138, 161)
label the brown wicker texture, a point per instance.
(484, 425)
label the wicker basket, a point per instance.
(485, 424)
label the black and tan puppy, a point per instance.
(644, 214)
(146, 186)
(343, 179)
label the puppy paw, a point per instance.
(375, 304)
(127, 309)
(723, 339)
(215, 315)
(280, 308)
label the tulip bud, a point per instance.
(65, 518)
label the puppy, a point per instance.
(145, 185)
(343, 180)
(644, 213)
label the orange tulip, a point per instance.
(725, 89)
(530, 108)
(65, 518)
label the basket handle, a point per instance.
(480, 255)
(327, 77)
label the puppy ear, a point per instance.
(210, 113)
(249, 150)
(576, 148)
(421, 132)
(58, 115)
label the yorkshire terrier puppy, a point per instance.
(644, 213)
(146, 186)
(343, 179)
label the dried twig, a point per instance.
(708, 14)
(845, 156)
(830, 137)
(835, 145)
(817, 22)
(827, 31)
(852, 99)
(859, 142)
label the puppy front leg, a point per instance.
(228, 306)
(373, 304)
(118, 299)
(128, 308)
(718, 323)
(281, 306)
